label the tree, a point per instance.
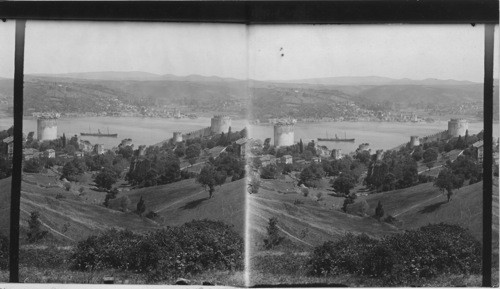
(141, 207)
(273, 237)
(447, 181)
(193, 151)
(269, 172)
(35, 233)
(110, 195)
(63, 138)
(73, 169)
(430, 155)
(33, 166)
(106, 178)
(379, 211)
(301, 146)
(311, 174)
(220, 178)
(347, 201)
(180, 149)
(344, 183)
(207, 179)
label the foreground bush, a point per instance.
(175, 251)
(423, 253)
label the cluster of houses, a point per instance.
(84, 147)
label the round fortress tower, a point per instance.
(177, 136)
(414, 141)
(284, 133)
(220, 123)
(457, 127)
(47, 127)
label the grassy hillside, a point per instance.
(423, 204)
(303, 220)
(69, 218)
(186, 200)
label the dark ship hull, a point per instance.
(99, 134)
(337, 139)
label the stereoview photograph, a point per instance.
(243, 155)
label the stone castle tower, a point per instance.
(457, 127)
(219, 124)
(47, 127)
(177, 136)
(414, 141)
(284, 133)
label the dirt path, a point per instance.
(287, 233)
(179, 201)
(417, 205)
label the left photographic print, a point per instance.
(133, 166)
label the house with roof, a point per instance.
(287, 159)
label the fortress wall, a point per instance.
(197, 133)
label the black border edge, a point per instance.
(260, 12)
(489, 31)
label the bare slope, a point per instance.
(302, 220)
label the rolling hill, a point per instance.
(69, 218)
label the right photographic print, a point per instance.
(365, 155)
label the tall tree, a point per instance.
(141, 207)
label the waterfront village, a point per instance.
(308, 193)
(194, 149)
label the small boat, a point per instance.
(345, 139)
(99, 134)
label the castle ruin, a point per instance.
(47, 127)
(457, 127)
(220, 124)
(284, 133)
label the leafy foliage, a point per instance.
(402, 258)
(171, 252)
(311, 175)
(35, 232)
(273, 236)
(106, 178)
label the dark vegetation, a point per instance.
(403, 258)
(192, 248)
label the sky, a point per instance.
(263, 52)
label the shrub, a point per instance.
(171, 252)
(60, 196)
(67, 186)
(273, 237)
(35, 233)
(402, 258)
(152, 215)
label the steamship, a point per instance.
(99, 134)
(345, 139)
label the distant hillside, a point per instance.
(434, 94)
(375, 80)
